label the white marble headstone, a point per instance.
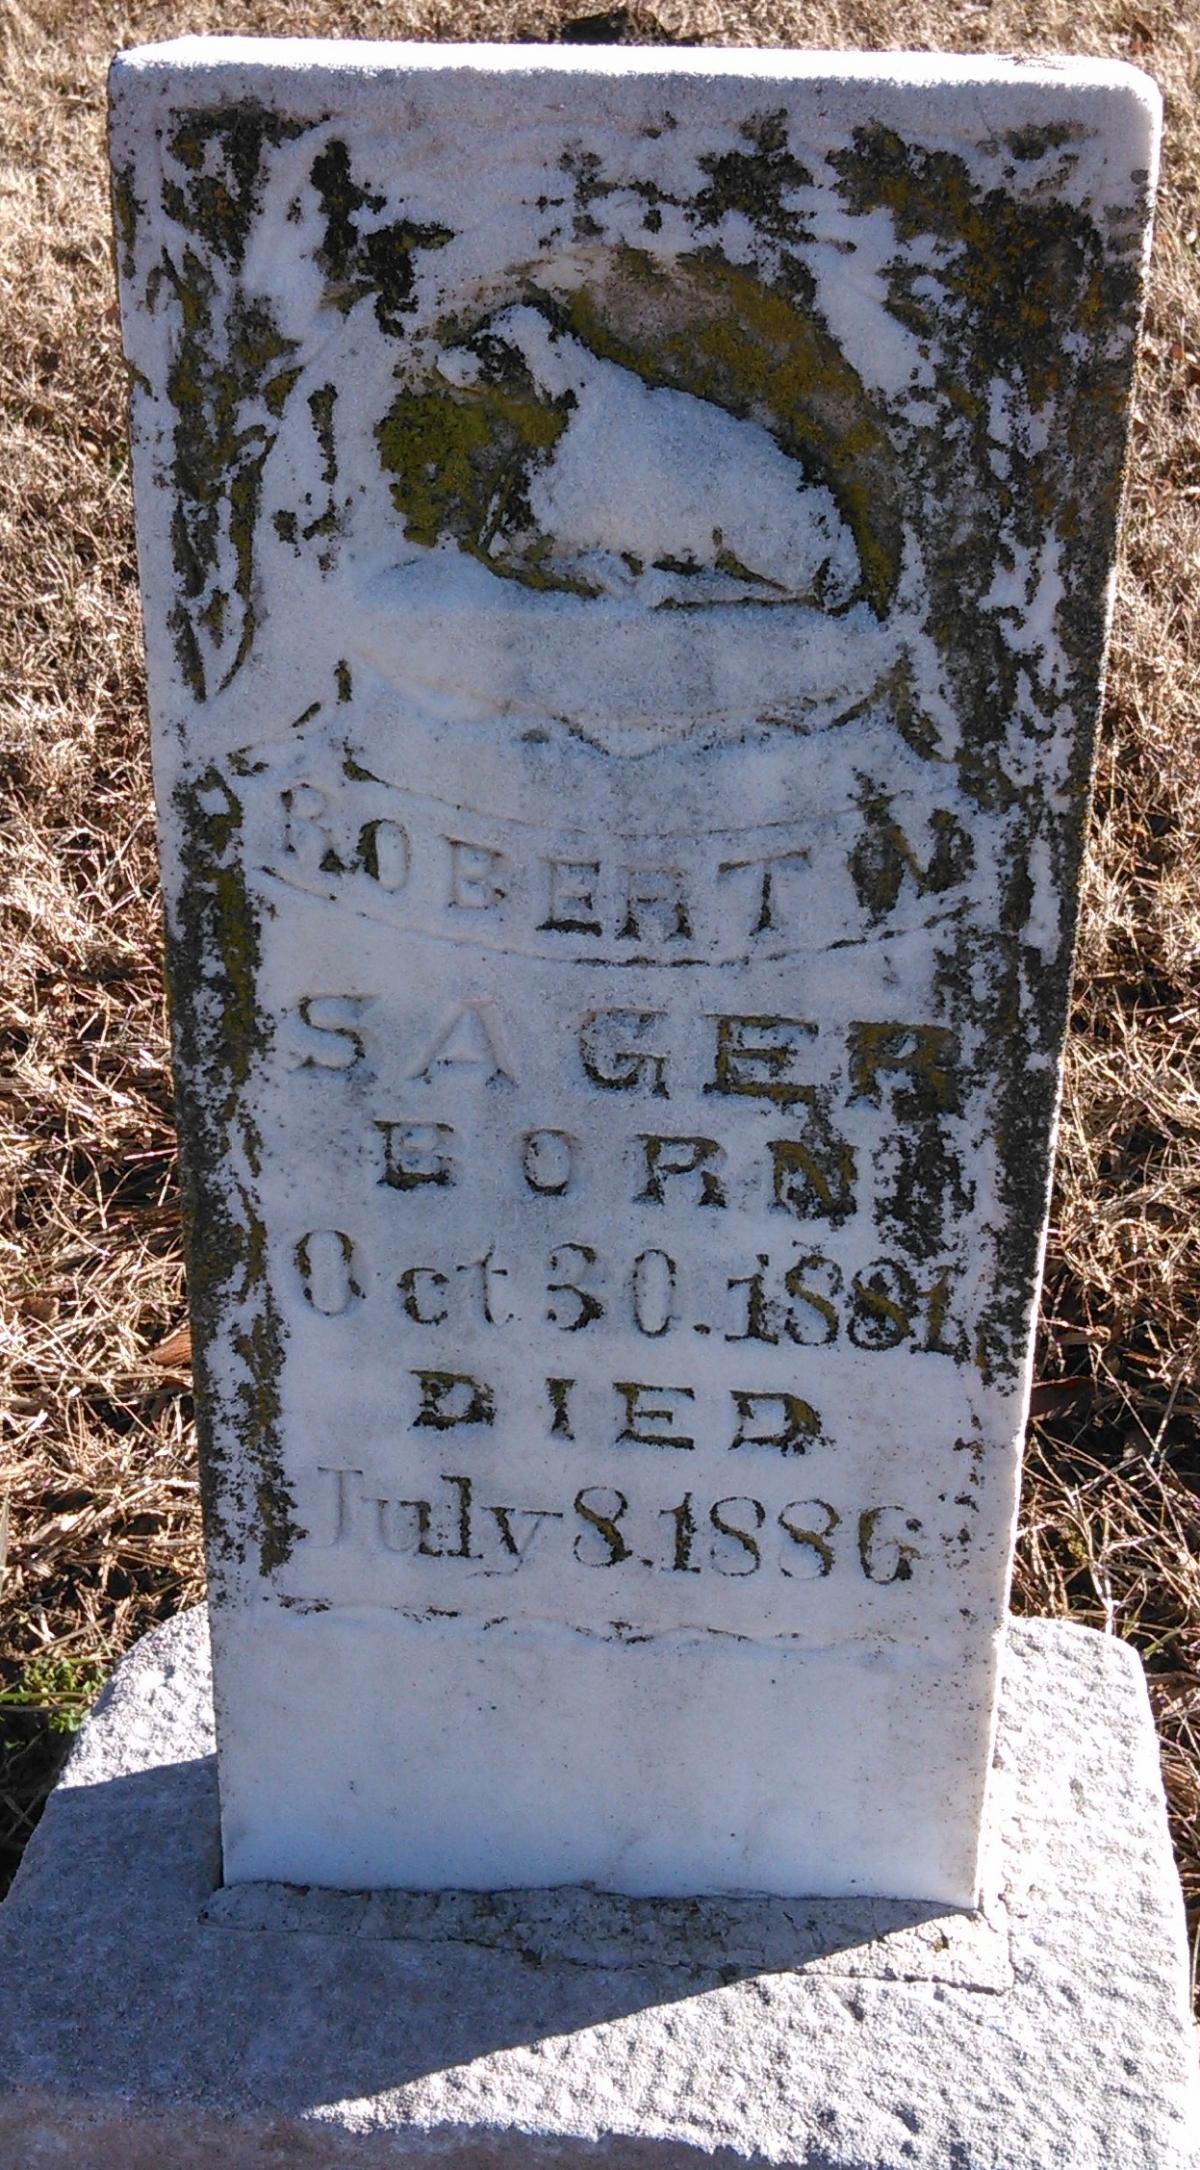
(626, 540)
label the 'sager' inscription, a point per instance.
(627, 1049)
(783, 1098)
(623, 636)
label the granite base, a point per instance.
(147, 2017)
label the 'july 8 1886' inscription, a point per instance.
(628, 1249)
(624, 619)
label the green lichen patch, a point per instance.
(589, 184)
(220, 151)
(916, 1073)
(1018, 296)
(717, 331)
(1015, 274)
(924, 1193)
(228, 382)
(126, 211)
(462, 458)
(726, 561)
(897, 690)
(221, 1038)
(232, 369)
(1013, 998)
(1025, 308)
(320, 406)
(327, 524)
(754, 182)
(362, 261)
(1033, 142)
(228, 379)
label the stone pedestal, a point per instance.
(148, 2018)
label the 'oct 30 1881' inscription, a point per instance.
(610, 1249)
(624, 624)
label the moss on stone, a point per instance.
(229, 378)
(361, 261)
(463, 456)
(1015, 269)
(727, 562)
(126, 209)
(231, 372)
(212, 617)
(753, 182)
(221, 1037)
(220, 149)
(750, 183)
(589, 184)
(219, 373)
(715, 330)
(321, 405)
(1034, 142)
(1023, 297)
(924, 1194)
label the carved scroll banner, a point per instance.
(626, 540)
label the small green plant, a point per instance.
(62, 1689)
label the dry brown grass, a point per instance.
(96, 1440)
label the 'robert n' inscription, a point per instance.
(722, 894)
(607, 1241)
(624, 620)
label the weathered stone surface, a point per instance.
(626, 545)
(565, 2030)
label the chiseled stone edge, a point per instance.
(873, 1939)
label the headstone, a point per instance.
(626, 543)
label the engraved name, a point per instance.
(698, 897)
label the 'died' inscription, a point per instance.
(638, 653)
(626, 1240)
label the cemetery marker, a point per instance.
(626, 546)
(626, 541)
